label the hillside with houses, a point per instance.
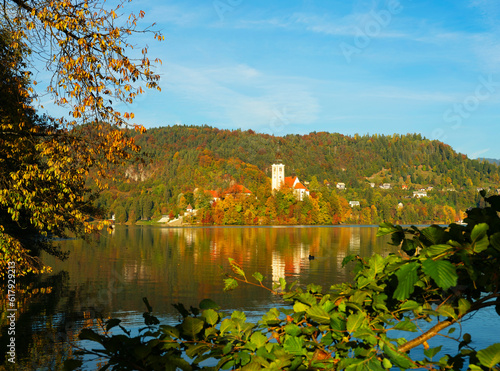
(204, 175)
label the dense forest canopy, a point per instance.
(183, 161)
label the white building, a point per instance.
(278, 176)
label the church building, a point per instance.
(278, 180)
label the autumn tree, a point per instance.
(48, 162)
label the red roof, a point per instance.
(289, 180)
(214, 194)
(240, 189)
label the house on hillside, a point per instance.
(238, 190)
(214, 196)
(354, 203)
(386, 186)
(341, 185)
(419, 194)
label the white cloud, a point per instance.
(240, 95)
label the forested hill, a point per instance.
(183, 158)
(328, 156)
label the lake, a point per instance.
(113, 272)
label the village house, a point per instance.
(214, 196)
(238, 190)
(386, 186)
(419, 194)
(341, 185)
(353, 203)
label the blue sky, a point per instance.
(362, 66)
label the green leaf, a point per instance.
(442, 272)
(446, 311)
(348, 259)
(208, 304)
(407, 277)
(300, 307)
(196, 349)
(239, 316)
(431, 352)
(293, 345)
(434, 234)
(435, 250)
(479, 237)
(236, 268)
(258, 339)
(192, 326)
(409, 305)
(495, 240)
(259, 277)
(292, 329)
(282, 283)
(386, 363)
(307, 298)
(490, 357)
(170, 331)
(366, 334)
(271, 317)
(396, 358)
(376, 266)
(355, 321)
(386, 228)
(230, 284)
(211, 316)
(409, 246)
(406, 325)
(112, 323)
(226, 326)
(318, 315)
(89, 334)
(463, 306)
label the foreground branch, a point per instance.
(442, 325)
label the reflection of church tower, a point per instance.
(278, 173)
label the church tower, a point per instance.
(278, 176)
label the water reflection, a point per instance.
(171, 265)
(112, 273)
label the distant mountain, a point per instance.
(490, 160)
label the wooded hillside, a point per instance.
(181, 159)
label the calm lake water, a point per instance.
(113, 272)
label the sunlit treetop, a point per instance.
(86, 45)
